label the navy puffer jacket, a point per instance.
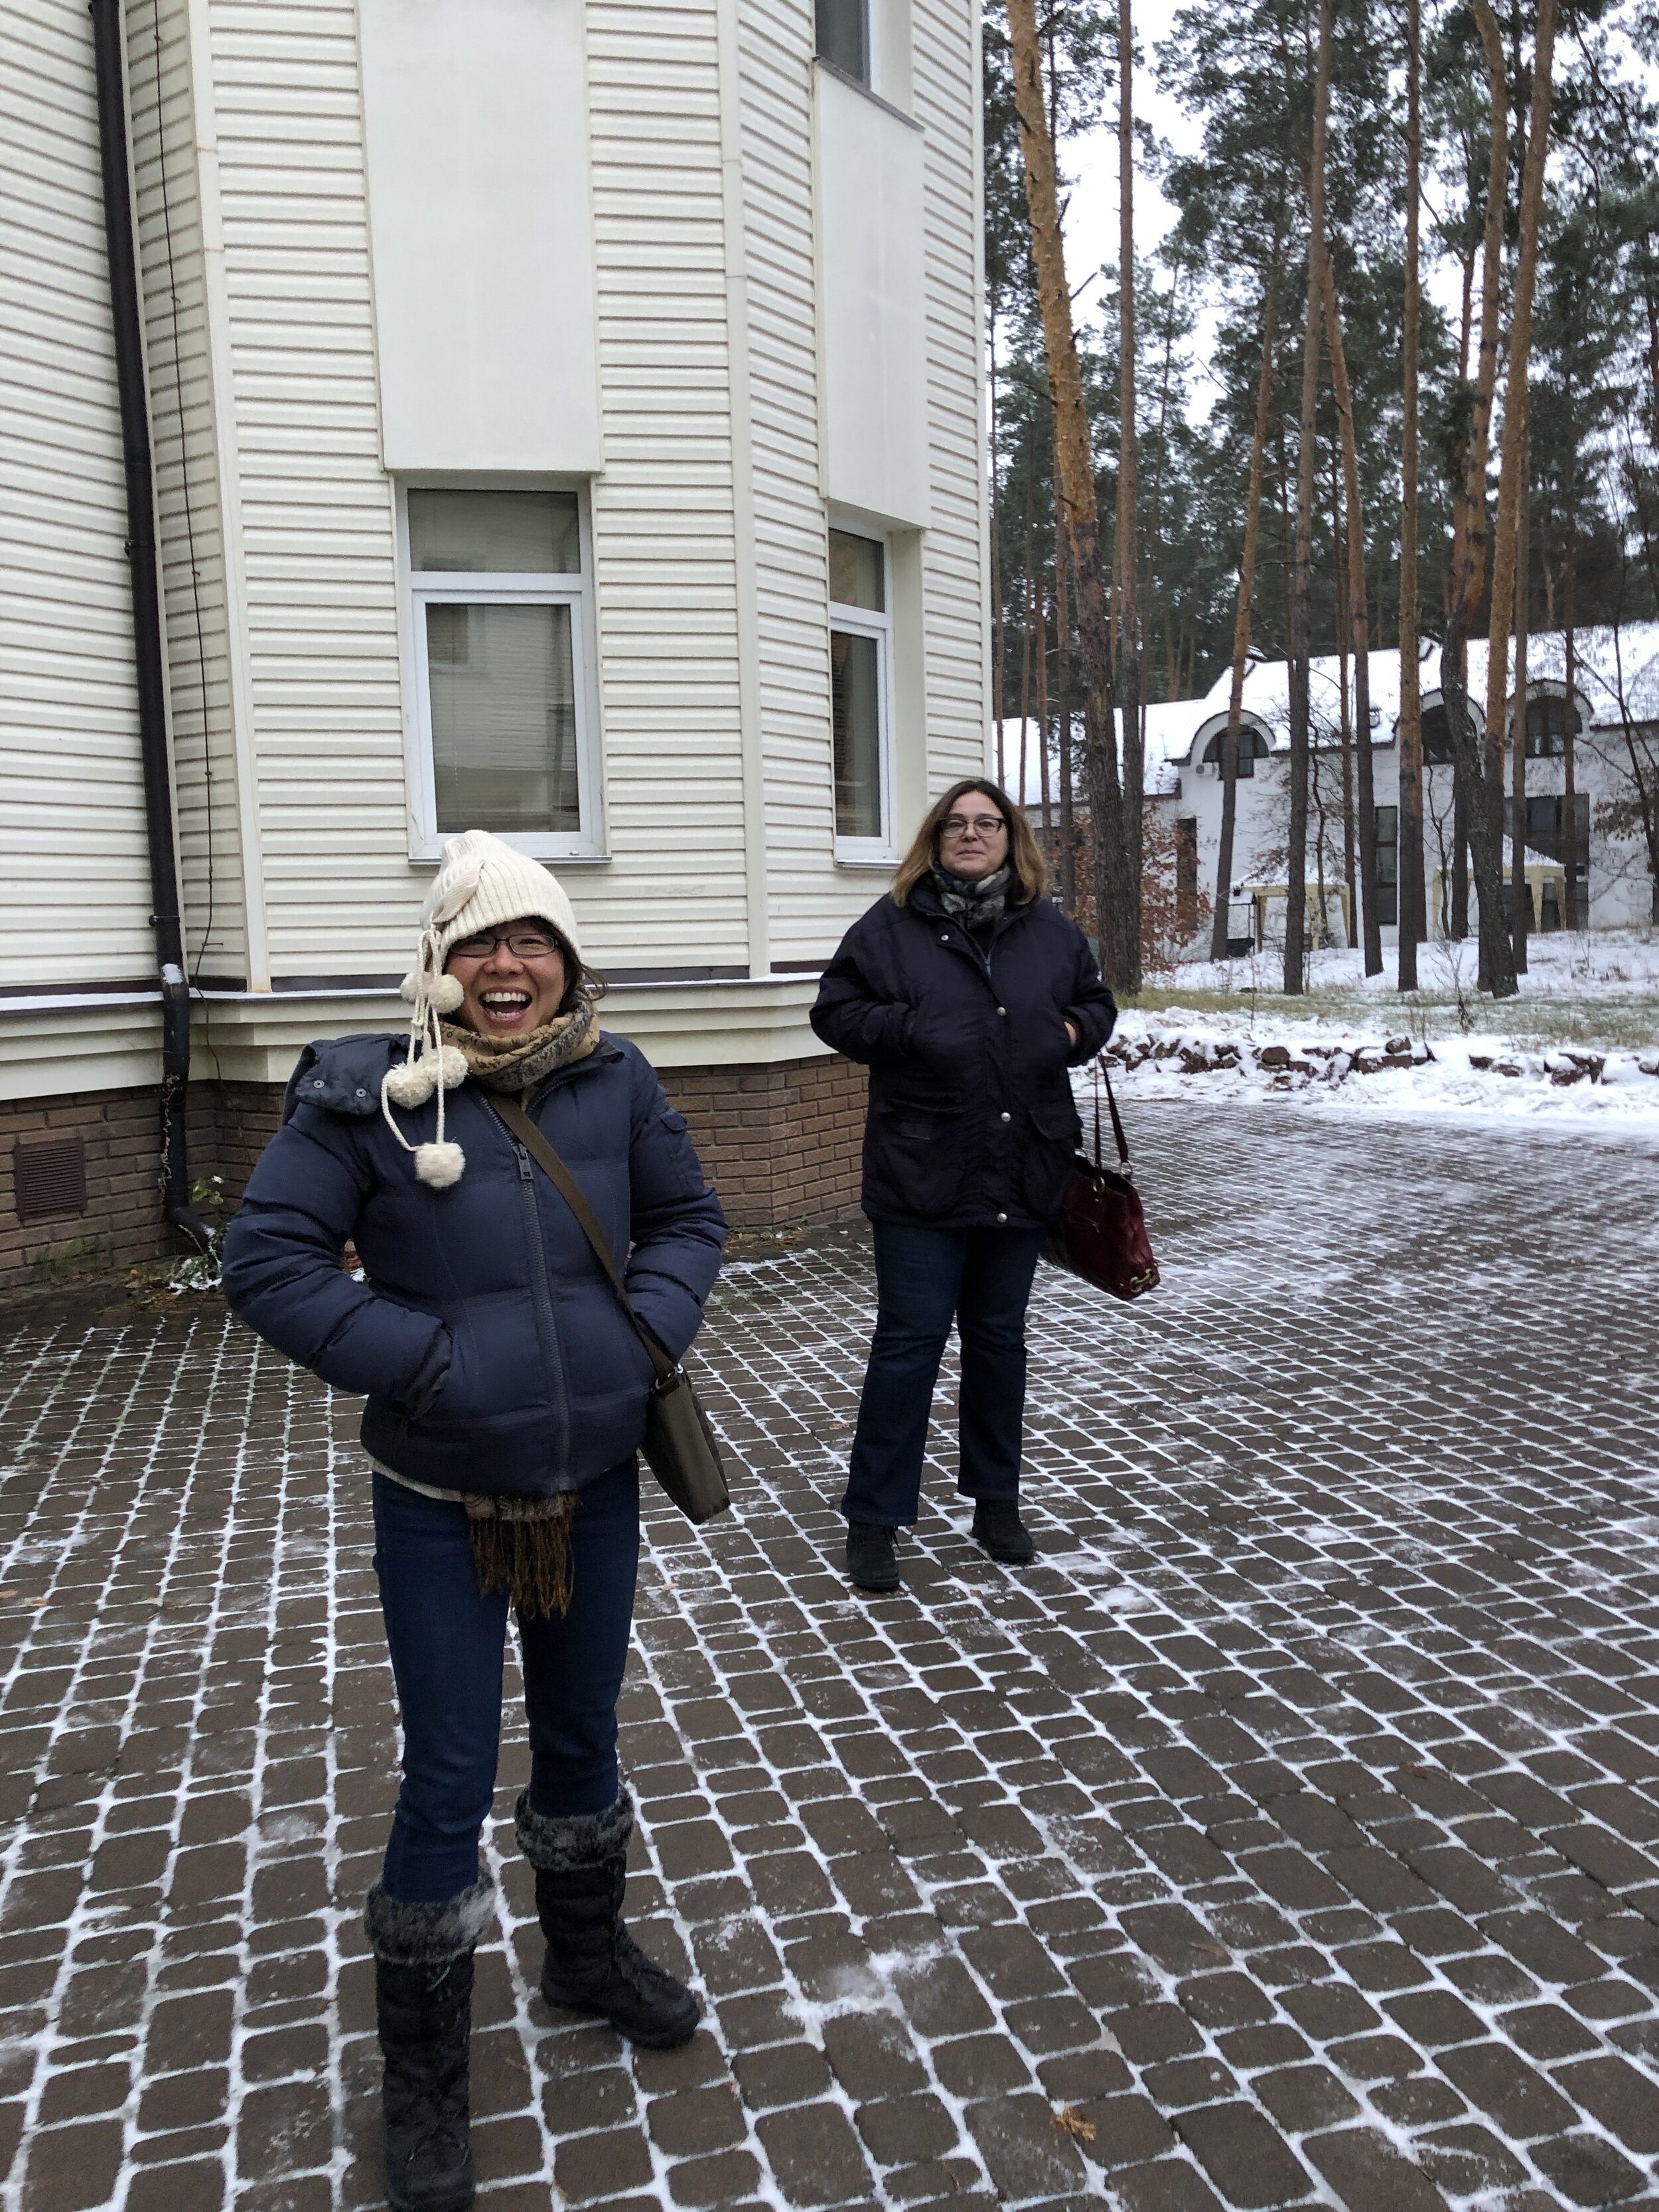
(971, 1123)
(494, 1353)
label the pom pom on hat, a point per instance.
(452, 1069)
(446, 993)
(439, 1165)
(414, 1083)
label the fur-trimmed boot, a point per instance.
(594, 1965)
(423, 2000)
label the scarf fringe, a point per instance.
(522, 1545)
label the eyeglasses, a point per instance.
(958, 825)
(523, 944)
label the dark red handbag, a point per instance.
(1101, 1232)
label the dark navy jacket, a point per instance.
(494, 1353)
(971, 1122)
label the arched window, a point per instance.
(1437, 735)
(1252, 747)
(1547, 725)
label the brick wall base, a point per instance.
(780, 1143)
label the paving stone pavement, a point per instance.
(1288, 1835)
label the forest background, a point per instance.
(1279, 298)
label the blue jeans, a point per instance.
(925, 1277)
(447, 1646)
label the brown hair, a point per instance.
(1031, 876)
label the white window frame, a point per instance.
(418, 589)
(863, 622)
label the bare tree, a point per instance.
(1295, 888)
(1482, 819)
(1074, 470)
(1519, 895)
(1413, 891)
(1124, 562)
(1359, 616)
(1512, 469)
(1224, 866)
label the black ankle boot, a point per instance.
(872, 1556)
(998, 1526)
(592, 1964)
(424, 2001)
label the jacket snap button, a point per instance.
(317, 1083)
(1002, 1010)
(361, 1093)
(1007, 1117)
(1002, 1217)
(945, 937)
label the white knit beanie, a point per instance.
(482, 883)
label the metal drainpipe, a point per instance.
(107, 40)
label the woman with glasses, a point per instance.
(968, 995)
(507, 1399)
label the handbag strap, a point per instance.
(1101, 1069)
(514, 1118)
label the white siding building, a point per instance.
(566, 418)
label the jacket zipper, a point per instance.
(546, 1327)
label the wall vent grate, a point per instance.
(50, 1180)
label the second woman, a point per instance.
(968, 995)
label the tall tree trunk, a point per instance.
(1413, 891)
(1125, 561)
(1359, 616)
(999, 639)
(1063, 685)
(1483, 826)
(1074, 467)
(1042, 724)
(1569, 742)
(1264, 396)
(1344, 716)
(1520, 921)
(1511, 480)
(1296, 885)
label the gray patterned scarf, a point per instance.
(974, 905)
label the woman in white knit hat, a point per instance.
(506, 1398)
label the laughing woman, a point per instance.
(507, 1399)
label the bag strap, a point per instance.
(1101, 1069)
(514, 1118)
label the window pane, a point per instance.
(843, 36)
(856, 572)
(514, 532)
(855, 718)
(503, 718)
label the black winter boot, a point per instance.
(592, 1964)
(872, 1556)
(998, 1526)
(423, 1999)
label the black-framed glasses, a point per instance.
(522, 944)
(958, 825)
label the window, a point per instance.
(860, 695)
(1437, 736)
(1546, 727)
(503, 721)
(1388, 863)
(843, 36)
(1252, 747)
